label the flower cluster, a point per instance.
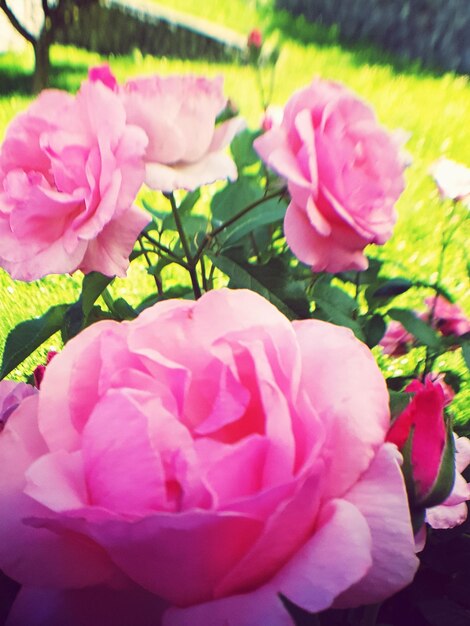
(210, 461)
(71, 168)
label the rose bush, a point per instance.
(70, 169)
(344, 175)
(198, 461)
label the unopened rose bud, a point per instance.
(426, 443)
(255, 39)
(40, 370)
(272, 117)
(254, 43)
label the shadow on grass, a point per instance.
(17, 80)
(298, 28)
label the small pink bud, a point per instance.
(40, 370)
(255, 39)
(103, 74)
(272, 117)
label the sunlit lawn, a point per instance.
(430, 106)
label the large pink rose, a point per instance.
(344, 175)
(178, 113)
(70, 169)
(201, 460)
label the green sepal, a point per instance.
(398, 401)
(446, 477)
(407, 470)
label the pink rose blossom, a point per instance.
(452, 179)
(178, 113)
(199, 461)
(448, 318)
(397, 340)
(344, 176)
(70, 169)
(11, 396)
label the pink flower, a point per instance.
(272, 117)
(200, 460)
(453, 511)
(452, 179)
(344, 176)
(178, 113)
(255, 39)
(423, 422)
(70, 170)
(40, 370)
(448, 318)
(397, 340)
(11, 396)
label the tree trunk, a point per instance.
(42, 63)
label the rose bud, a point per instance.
(254, 43)
(425, 440)
(255, 39)
(40, 370)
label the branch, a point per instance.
(16, 24)
(46, 8)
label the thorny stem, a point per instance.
(158, 282)
(446, 239)
(191, 264)
(209, 236)
(162, 248)
(205, 284)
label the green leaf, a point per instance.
(335, 305)
(72, 322)
(374, 329)
(241, 278)
(192, 224)
(446, 476)
(398, 401)
(393, 287)
(466, 353)
(242, 148)
(93, 286)
(264, 215)
(233, 198)
(160, 215)
(335, 297)
(414, 325)
(124, 310)
(27, 336)
(189, 201)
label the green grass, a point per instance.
(432, 106)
